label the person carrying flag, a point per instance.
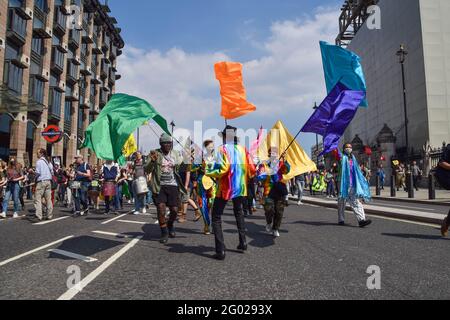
(270, 173)
(353, 187)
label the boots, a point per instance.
(181, 217)
(164, 236)
(198, 215)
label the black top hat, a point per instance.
(228, 130)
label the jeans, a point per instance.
(330, 189)
(149, 198)
(300, 188)
(62, 192)
(81, 198)
(355, 204)
(217, 212)
(119, 197)
(12, 190)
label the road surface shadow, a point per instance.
(196, 250)
(321, 224)
(415, 236)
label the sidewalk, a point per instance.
(421, 196)
(397, 213)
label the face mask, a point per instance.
(348, 151)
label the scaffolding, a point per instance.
(353, 15)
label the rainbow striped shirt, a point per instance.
(232, 169)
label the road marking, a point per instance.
(49, 221)
(135, 222)
(34, 250)
(73, 255)
(114, 219)
(403, 207)
(119, 235)
(72, 292)
(406, 221)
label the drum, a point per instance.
(109, 189)
(140, 186)
(75, 185)
(207, 182)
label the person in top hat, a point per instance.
(231, 169)
(166, 185)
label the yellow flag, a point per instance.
(130, 146)
(280, 137)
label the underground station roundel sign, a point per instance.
(52, 134)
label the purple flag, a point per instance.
(334, 115)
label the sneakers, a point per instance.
(144, 210)
(299, 203)
(129, 201)
(365, 223)
(15, 215)
(206, 231)
(276, 233)
(444, 228)
(3, 215)
(269, 228)
(136, 213)
(219, 256)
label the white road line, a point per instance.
(135, 222)
(73, 255)
(34, 250)
(119, 235)
(406, 221)
(403, 207)
(49, 221)
(72, 292)
(114, 219)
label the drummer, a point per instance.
(139, 172)
(110, 175)
(166, 185)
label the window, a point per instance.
(68, 112)
(54, 80)
(13, 76)
(12, 51)
(37, 90)
(80, 119)
(55, 102)
(41, 4)
(36, 46)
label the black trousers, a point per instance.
(217, 212)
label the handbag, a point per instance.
(54, 180)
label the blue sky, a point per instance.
(172, 45)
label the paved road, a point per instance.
(313, 259)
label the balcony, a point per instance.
(95, 79)
(60, 22)
(72, 94)
(94, 110)
(12, 77)
(40, 24)
(74, 38)
(72, 73)
(112, 77)
(20, 7)
(104, 96)
(57, 62)
(17, 27)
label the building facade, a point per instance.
(58, 61)
(424, 29)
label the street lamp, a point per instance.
(317, 136)
(402, 53)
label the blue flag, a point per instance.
(334, 115)
(341, 65)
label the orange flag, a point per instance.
(234, 100)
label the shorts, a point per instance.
(168, 195)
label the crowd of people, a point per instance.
(172, 181)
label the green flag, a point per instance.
(123, 114)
